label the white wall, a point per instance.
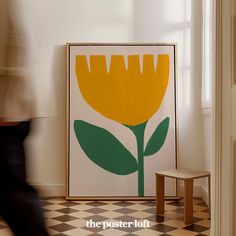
(114, 21)
(53, 24)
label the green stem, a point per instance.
(138, 131)
(140, 141)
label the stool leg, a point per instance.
(209, 195)
(188, 201)
(160, 201)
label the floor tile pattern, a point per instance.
(99, 218)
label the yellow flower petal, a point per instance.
(127, 96)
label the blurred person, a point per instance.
(19, 203)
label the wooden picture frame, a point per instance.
(121, 119)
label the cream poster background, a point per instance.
(87, 179)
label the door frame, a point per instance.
(223, 216)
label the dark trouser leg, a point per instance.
(19, 203)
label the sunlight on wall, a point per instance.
(169, 24)
(179, 21)
(179, 14)
(207, 54)
(183, 63)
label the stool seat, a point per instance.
(184, 173)
(187, 175)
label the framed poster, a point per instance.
(121, 122)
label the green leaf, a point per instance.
(158, 138)
(104, 149)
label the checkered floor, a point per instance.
(79, 218)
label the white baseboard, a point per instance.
(58, 190)
(199, 191)
(50, 190)
(205, 195)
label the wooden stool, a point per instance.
(187, 176)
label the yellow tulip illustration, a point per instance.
(130, 96)
(127, 96)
